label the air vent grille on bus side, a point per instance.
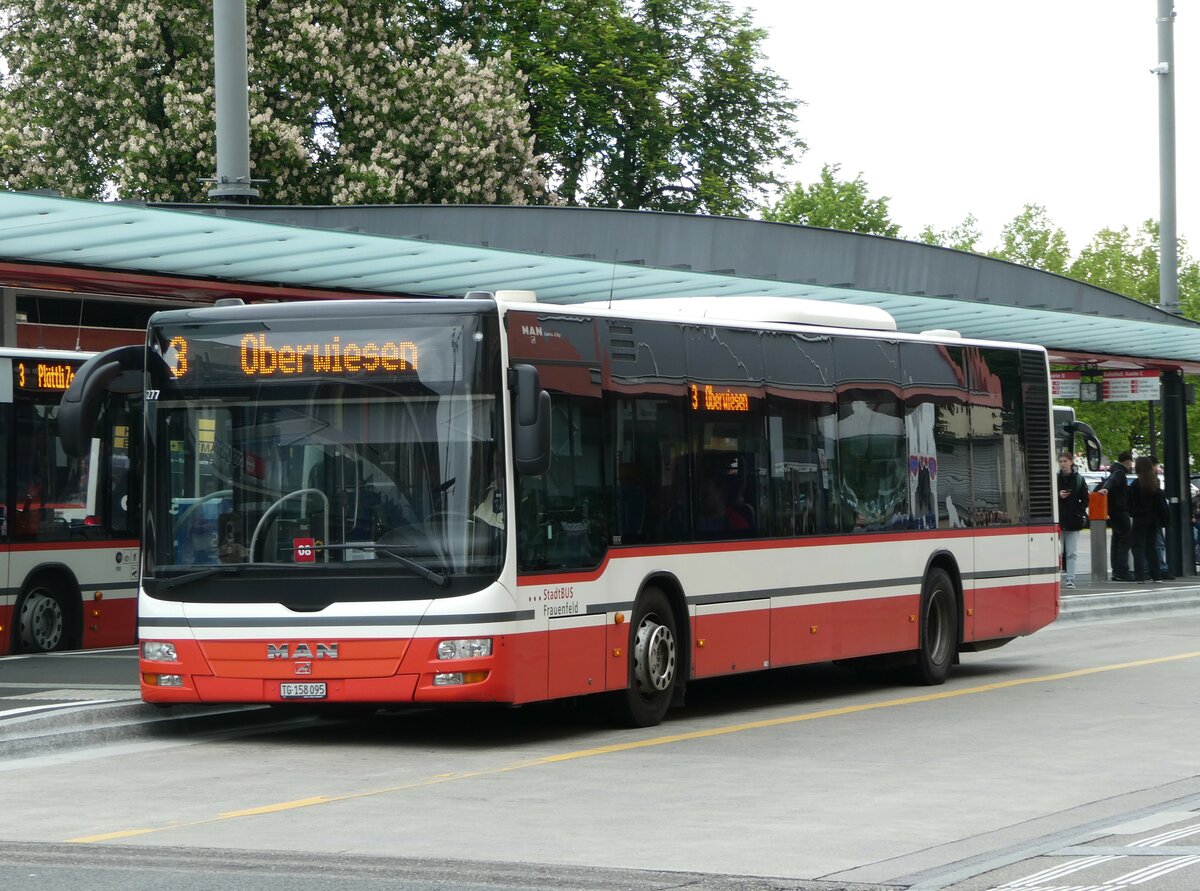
(621, 343)
(1039, 452)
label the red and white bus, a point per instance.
(68, 537)
(494, 500)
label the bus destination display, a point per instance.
(259, 357)
(39, 376)
(712, 399)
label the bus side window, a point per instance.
(872, 445)
(997, 440)
(50, 486)
(803, 461)
(562, 517)
(938, 428)
(649, 464)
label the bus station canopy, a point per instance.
(41, 230)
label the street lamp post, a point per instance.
(1168, 278)
(232, 182)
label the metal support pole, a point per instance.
(1098, 530)
(1175, 470)
(233, 103)
(1168, 257)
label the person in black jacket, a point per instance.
(1072, 513)
(1160, 539)
(1147, 509)
(1117, 487)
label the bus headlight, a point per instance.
(458, 678)
(465, 649)
(158, 651)
(163, 680)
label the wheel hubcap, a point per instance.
(654, 657)
(42, 621)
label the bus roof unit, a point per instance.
(789, 310)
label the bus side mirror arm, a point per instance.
(79, 409)
(531, 421)
(1091, 444)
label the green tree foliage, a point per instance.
(657, 104)
(1031, 239)
(832, 203)
(113, 99)
(963, 237)
(1121, 425)
(1118, 261)
(1127, 262)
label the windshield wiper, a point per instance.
(420, 569)
(188, 577)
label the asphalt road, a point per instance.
(1068, 755)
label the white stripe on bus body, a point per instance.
(730, 580)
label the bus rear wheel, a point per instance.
(653, 663)
(938, 629)
(41, 623)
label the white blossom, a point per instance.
(117, 100)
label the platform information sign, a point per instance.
(1065, 384)
(1131, 386)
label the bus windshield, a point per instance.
(297, 449)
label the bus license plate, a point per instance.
(301, 691)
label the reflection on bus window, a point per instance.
(54, 493)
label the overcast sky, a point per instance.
(950, 108)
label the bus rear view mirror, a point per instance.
(531, 428)
(1091, 444)
(79, 409)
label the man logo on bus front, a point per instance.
(302, 651)
(303, 668)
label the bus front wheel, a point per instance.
(938, 629)
(42, 621)
(653, 663)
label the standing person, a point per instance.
(1117, 487)
(1072, 512)
(1146, 509)
(1195, 528)
(1160, 538)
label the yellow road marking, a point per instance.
(112, 836)
(647, 743)
(273, 808)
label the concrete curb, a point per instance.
(1147, 601)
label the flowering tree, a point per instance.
(116, 100)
